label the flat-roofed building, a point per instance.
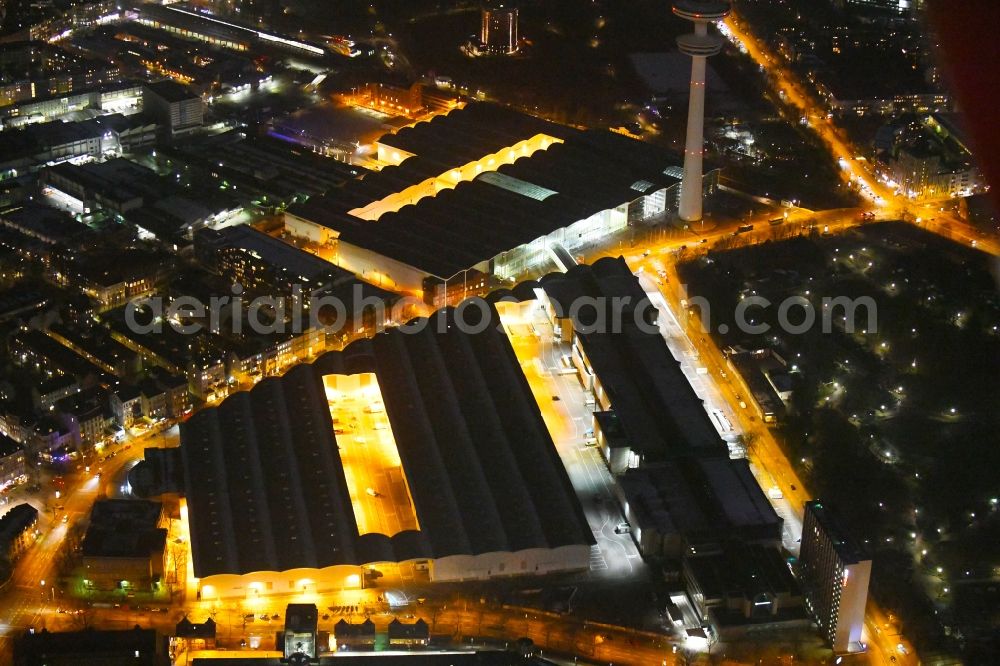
(498, 34)
(125, 545)
(742, 588)
(121, 97)
(645, 408)
(679, 490)
(693, 502)
(284, 497)
(178, 107)
(193, 25)
(835, 573)
(453, 657)
(117, 185)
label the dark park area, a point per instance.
(896, 424)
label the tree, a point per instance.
(750, 440)
(685, 657)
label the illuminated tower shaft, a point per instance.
(699, 45)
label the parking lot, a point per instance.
(379, 492)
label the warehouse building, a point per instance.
(202, 27)
(743, 588)
(489, 190)
(677, 507)
(645, 408)
(676, 484)
(123, 98)
(419, 453)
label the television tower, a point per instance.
(699, 45)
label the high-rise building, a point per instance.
(699, 45)
(499, 31)
(835, 575)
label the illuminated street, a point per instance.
(312, 319)
(855, 171)
(36, 594)
(772, 466)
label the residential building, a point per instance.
(89, 413)
(498, 34)
(354, 636)
(51, 391)
(17, 531)
(126, 405)
(54, 440)
(928, 158)
(152, 400)
(835, 573)
(112, 279)
(96, 345)
(36, 350)
(262, 264)
(12, 464)
(162, 396)
(408, 634)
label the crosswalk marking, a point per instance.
(597, 561)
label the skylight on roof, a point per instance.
(517, 186)
(642, 185)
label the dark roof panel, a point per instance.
(589, 172)
(266, 485)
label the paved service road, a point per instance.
(567, 410)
